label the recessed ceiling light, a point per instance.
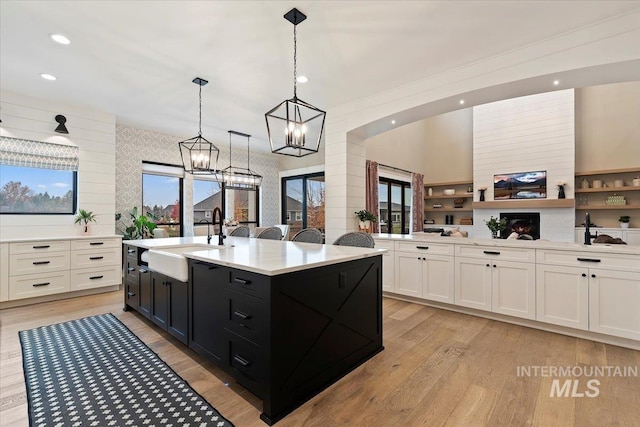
(393, 122)
(556, 82)
(461, 101)
(302, 79)
(47, 76)
(59, 38)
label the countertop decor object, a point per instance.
(624, 221)
(294, 126)
(199, 156)
(84, 218)
(496, 225)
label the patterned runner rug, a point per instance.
(96, 372)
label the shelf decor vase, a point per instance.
(561, 194)
(365, 226)
(482, 195)
(624, 225)
(494, 234)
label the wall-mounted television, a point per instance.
(524, 185)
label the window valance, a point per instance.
(38, 154)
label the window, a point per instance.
(240, 205)
(31, 190)
(303, 202)
(37, 177)
(395, 204)
(207, 195)
(162, 197)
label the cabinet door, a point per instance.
(473, 283)
(513, 289)
(408, 274)
(438, 278)
(614, 303)
(178, 322)
(144, 290)
(131, 294)
(388, 272)
(159, 299)
(208, 307)
(562, 296)
(632, 237)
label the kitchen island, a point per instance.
(285, 319)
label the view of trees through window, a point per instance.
(303, 202)
(37, 191)
(161, 196)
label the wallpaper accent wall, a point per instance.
(133, 146)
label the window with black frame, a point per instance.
(239, 206)
(162, 198)
(303, 202)
(395, 206)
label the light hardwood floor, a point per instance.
(438, 368)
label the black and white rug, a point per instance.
(96, 372)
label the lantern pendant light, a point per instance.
(235, 178)
(294, 126)
(199, 156)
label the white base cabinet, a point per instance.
(562, 296)
(614, 303)
(513, 289)
(388, 265)
(473, 283)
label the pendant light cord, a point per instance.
(295, 63)
(200, 109)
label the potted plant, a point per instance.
(366, 218)
(84, 218)
(495, 225)
(141, 227)
(624, 221)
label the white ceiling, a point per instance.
(136, 59)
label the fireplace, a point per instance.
(526, 224)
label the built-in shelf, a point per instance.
(606, 189)
(525, 203)
(607, 171)
(604, 207)
(455, 196)
(447, 210)
(450, 183)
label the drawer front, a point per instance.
(79, 245)
(589, 259)
(95, 258)
(385, 244)
(249, 283)
(39, 247)
(35, 285)
(131, 270)
(246, 317)
(490, 252)
(40, 263)
(90, 278)
(427, 248)
(247, 363)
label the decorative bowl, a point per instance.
(449, 191)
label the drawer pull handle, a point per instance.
(206, 264)
(131, 294)
(492, 252)
(130, 251)
(242, 281)
(242, 361)
(42, 247)
(131, 268)
(41, 284)
(95, 277)
(143, 270)
(589, 259)
(99, 243)
(422, 247)
(41, 262)
(243, 316)
(93, 258)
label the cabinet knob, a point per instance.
(593, 275)
(488, 265)
(584, 274)
(494, 266)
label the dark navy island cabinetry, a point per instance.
(284, 337)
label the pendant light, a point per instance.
(294, 126)
(235, 178)
(199, 156)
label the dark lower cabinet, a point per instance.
(169, 305)
(207, 306)
(144, 290)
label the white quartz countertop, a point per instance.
(262, 256)
(512, 243)
(42, 239)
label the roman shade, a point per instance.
(38, 154)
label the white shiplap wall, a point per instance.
(94, 133)
(530, 133)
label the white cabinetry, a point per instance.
(4, 272)
(388, 264)
(598, 292)
(39, 268)
(425, 271)
(629, 235)
(497, 280)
